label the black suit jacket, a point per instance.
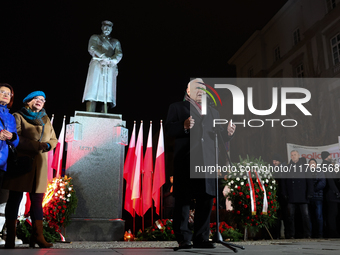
(197, 151)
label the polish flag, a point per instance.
(137, 171)
(50, 159)
(159, 173)
(147, 175)
(58, 155)
(128, 171)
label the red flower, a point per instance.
(271, 202)
(241, 193)
(239, 187)
(245, 206)
(257, 190)
(233, 193)
(172, 232)
(256, 196)
(238, 212)
(248, 218)
(247, 185)
(269, 193)
(239, 202)
(63, 211)
(247, 196)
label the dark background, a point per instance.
(43, 46)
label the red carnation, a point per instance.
(245, 206)
(247, 196)
(239, 187)
(257, 190)
(241, 193)
(269, 193)
(238, 212)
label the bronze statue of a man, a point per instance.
(101, 79)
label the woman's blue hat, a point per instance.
(33, 95)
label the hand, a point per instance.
(43, 146)
(189, 123)
(231, 129)
(5, 135)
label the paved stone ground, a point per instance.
(265, 247)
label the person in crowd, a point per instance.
(297, 190)
(169, 200)
(332, 194)
(315, 205)
(279, 229)
(8, 135)
(37, 137)
(194, 140)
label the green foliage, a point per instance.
(24, 230)
(160, 231)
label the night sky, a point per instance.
(44, 47)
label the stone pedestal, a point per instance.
(95, 161)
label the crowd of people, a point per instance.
(315, 194)
(25, 138)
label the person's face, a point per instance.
(195, 91)
(329, 158)
(275, 162)
(37, 103)
(295, 156)
(106, 30)
(5, 95)
(312, 164)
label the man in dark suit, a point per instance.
(194, 146)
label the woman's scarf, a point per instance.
(34, 118)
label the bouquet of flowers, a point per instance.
(252, 192)
(227, 232)
(160, 231)
(59, 202)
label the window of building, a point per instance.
(250, 72)
(277, 55)
(331, 4)
(299, 71)
(335, 44)
(296, 36)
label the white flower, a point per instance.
(229, 183)
(235, 174)
(68, 200)
(70, 189)
(242, 183)
(235, 186)
(238, 178)
(61, 184)
(244, 177)
(267, 181)
(69, 195)
(274, 181)
(63, 192)
(231, 189)
(232, 182)
(271, 187)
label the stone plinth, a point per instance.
(96, 164)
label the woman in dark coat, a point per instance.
(37, 137)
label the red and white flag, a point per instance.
(159, 173)
(128, 171)
(147, 175)
(58, 154)
(137, 171)
(50, 159)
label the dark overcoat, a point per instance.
(299, 189)
(193, 148)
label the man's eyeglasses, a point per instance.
(40, 99)
(5, 93)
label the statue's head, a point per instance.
(107, 27)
